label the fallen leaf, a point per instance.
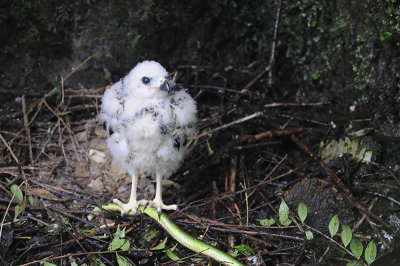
(80, 170)
(97, 156)
(44, 194)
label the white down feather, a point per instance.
(146, 121)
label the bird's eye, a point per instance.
(146, 80)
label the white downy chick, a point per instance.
(148, 123)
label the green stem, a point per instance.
(180, 236)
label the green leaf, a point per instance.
(161, 245)
(245, 250)
(284, 214)
(72, 261)
(116, 244)
(171, 255)
(120, 233)
(150, 234)
(356, 247)
(126, 245)
(88, 230)
(235, 253)
(334, 225)
(174, 247)
(97, 261)
(267, 222)
(15, 190)
(18, 210)
(214, 243)
(346, 235)
(210, 150)
(198, 260)
(309, 234)
(31, 200)
(370, 252)
(122, 261)
(49, 264)
(302, 211)
(358, 133)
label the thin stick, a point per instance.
(272, 56)
(28, 131)
(77, 68)
(9, 149)
(66, 127)
(331, 240)
(60, 134)
(241, 120)
(8, 207)
(295, 104)
(36, 113)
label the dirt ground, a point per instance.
(248, 154)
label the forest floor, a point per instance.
(250, 154)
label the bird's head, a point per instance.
(148, 78)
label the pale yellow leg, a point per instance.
(157, 201)
(132, 204)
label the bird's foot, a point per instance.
(159, 205)
(132, 205)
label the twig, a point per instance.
(77, 68)
(219, 88)
(8, 207)
(276, 132)
(68, 129)
(331, 240)
(384, 196)
(295, 104)
(272, 55)
(36, 113)
(379, 234)
(61, 142)
(9, 148)
(254, 233)
(355, 227)
(28, 131)
(241, 120)
(199, 203)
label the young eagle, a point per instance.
(148, 124)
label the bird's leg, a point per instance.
(132, 204)
(157, 201)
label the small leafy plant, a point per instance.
(356, 247)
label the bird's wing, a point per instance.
(184, 108)
(111, 107)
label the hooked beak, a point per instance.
(165, 86)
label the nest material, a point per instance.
(234, 174)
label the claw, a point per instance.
(126, 207)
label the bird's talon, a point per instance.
(127, 207)
(146, 205)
